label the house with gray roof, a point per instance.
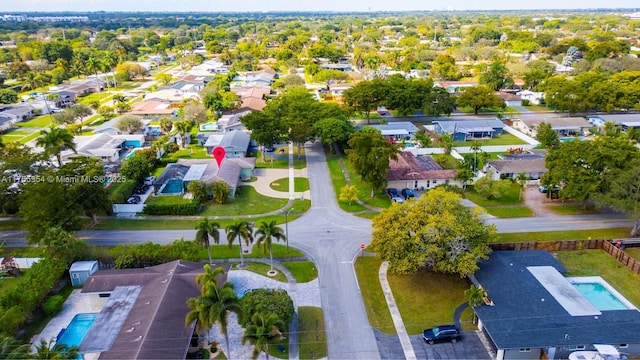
(533, 311)
(107, 147)
(17, 113)
(624, 121)
(468, 130)
(142, 311)
(235, 143)
(533, 168)
(401, 130)
(6, 123)
(564, 126)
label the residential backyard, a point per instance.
(502, 139)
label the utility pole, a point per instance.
(286, 228)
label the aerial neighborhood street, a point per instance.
(302, 185)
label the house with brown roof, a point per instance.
(564, 126)
(143, 311)
(253, 98)
(510, 99)
(418, 172)
(154, 108)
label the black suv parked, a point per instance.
(393, 192)
(441, 333)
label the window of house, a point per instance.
(75, 275)
(623, 346)
(578, 347)
(104, 295)
(525, 350)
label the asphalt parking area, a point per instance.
(469, 347)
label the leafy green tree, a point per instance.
(489, 188)
(423, 138)
(106, 112)
(8, 96)
(195, 112)
(267, 302)
(55, 141)
(166, 125)
(265, 129)
(130, 124)
(547, 136)
(370, 154)
(436, 232)
(220, 191)
(206, 230)
(200, 190)
(262, 330)
(495, 76)
(333, 130)
(365, 96)
(439, 102)
(12, 349)
(136, 168)
(243, 232)
(54, 351)
(444, 68)
(265, 234)
(349, 194)
(61, 244)
(464, 174)
(446, 142)
(79, 112)
(164, 78)
(623, 194)
(479, 97)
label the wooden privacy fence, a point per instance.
(568, 245)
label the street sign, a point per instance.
(363, 246)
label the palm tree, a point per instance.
(227, 301)
(183, 127)
(242, 231)
(206, 229)
(208, 276)
(59, 351)
(93, 64)
(55, 140)
(12, 349)
(261, 331)
(166, 125)
(475, 147)
(522, 181)
(267, 231)
(348, 193)
(446, 141)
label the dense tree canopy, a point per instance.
(369, 153)
(434, 232)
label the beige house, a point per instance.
(418, 173)
(566, 126)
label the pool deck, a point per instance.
(76, 304)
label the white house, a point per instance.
(534, 97)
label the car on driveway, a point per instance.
(408, 193)
(544, 188)
(397, 199)
(441, 333)
(393, 192)
(141, 189)
(133, 200)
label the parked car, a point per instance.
(141, 189)
(149, 180)
(441, 333)
(134, 199)
(397, 199)
(393, 192)
(544, 188)
(408, 193)
(269, 148)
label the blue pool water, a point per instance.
(600, 297)
(77, 329)
(172, 187)
(211, 126)
(572, 139)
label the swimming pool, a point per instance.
(572, 139)
(600, 296)
(172, 187)
(210, 126)
(77, 329)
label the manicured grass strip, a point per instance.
(374, 301)
(167, 200)
(303, 271)
(312, 334)
(573, 209)
(280, 162)
(338, 180)
(261, 269)
(502, 139)
(633, 252)
(466, 320)
(223, 251)
(369, 215)
(564, 235)
(299, 184)
(36, 122)
(247, 201)
(509, 212)
(26, 139)
(364, 189)
(509, 197)
(599, 263)
(426, 298)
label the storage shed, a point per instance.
(80, 271)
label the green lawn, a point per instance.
(564, 235)
(451, 163)
(26, 139)
(377, 309)
(36, 122)
(246, 202)
(262, 269)
(299, 184)
(167, 200)
(427, 299)
(380, 200)
(303, 271)
(191, 152)
(502, 139)
(279, 163)
(537, 108)
(312, 335)
(633, 252)
(598, 262)
(510, 197)
(223, 251)
(338, 180)
(509, 212)
(573, 209)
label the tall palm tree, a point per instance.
(266, 232)
(241, 231)
(227, 301)
(11, 349)
(55, 140)
(183, 127)
(446, 142)
(208, 276)
(54, 351)
(522, 181)
(475, 147)
(261, 331)
(207, 229)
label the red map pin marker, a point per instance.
(219, 153)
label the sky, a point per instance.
(302, 5)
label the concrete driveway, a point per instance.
(470, 347)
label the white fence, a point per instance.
(521, 136)
(24, 263)
(127, 208)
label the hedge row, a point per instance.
(122, 192)
(191, 208)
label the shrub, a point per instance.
(122, 193)
(525, 102)
(12, 319)
(53, 305)
(191, 208)
(267, 302)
